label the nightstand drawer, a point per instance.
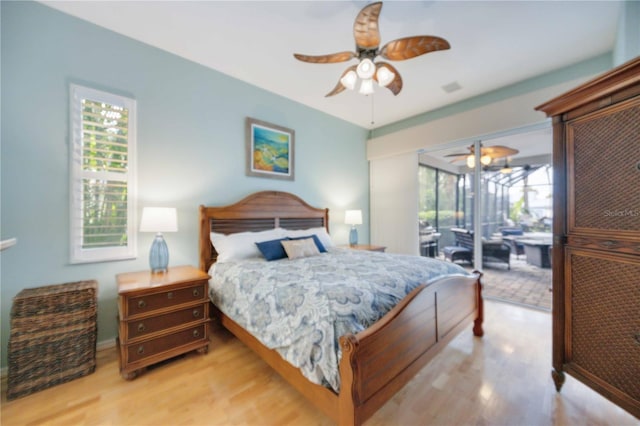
(146, 326)
(151, 302)
(139, 351)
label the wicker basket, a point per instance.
(53, 336)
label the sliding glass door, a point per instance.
(441, 203)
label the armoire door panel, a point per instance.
(603, 317)
(603, 151)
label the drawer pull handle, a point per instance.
(170, 295)
(140, 350)
(196, 333)
(196, 292)
(142, 304)
(141, 327)
(196, 313)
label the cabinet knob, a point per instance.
(142, 304)
(196, 333)
(196, 313)
(141, 327)
(170, 295)
(637, 337)
(140, 349)
(196, 292)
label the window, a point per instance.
(103, 176)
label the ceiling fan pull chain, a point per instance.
(372, 120)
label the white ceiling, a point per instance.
(493, 44)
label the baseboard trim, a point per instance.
(106, 344)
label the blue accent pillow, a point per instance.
(272, 249)
(316, 240)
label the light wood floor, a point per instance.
(500, 379)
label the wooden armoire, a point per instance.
(596, 235)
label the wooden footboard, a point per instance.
(377, 362)
(380, 360)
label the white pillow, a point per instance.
(321, 232)
(300, 248)
(242, 245)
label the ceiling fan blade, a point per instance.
(331, 58)
(396, 84)
(498, 151)
(365, 27)
(410, 47)
(340, 87)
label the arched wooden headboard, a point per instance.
(257, 212)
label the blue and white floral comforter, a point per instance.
(301, 307)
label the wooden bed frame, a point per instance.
(376, 362)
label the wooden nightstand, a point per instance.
(367, 247)
(160, 316)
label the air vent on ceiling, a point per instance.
(451, 87)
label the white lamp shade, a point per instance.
(353, 217)
(349, 80)
(159, 219)
(366, 87)
(485, 160)
(366, 69)
(385, 76)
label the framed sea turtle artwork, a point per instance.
(270, 150)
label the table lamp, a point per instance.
(159, 220)
(353, 218)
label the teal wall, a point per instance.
(191, 148)
(628, 38)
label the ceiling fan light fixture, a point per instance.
(471, 161)
(349, 80)
(485, 160)
(506, 169)
(366, 69)
(385, 76)
(366, 86)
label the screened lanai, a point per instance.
(515, 220)
(519, 197)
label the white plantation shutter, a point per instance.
(102, 176)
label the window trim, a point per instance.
(78, 254)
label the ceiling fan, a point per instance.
(367, 36)
(487, 154)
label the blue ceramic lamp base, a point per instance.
(353, 236)
(159, 254)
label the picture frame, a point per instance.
(270, 150)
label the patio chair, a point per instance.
(492, 251)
